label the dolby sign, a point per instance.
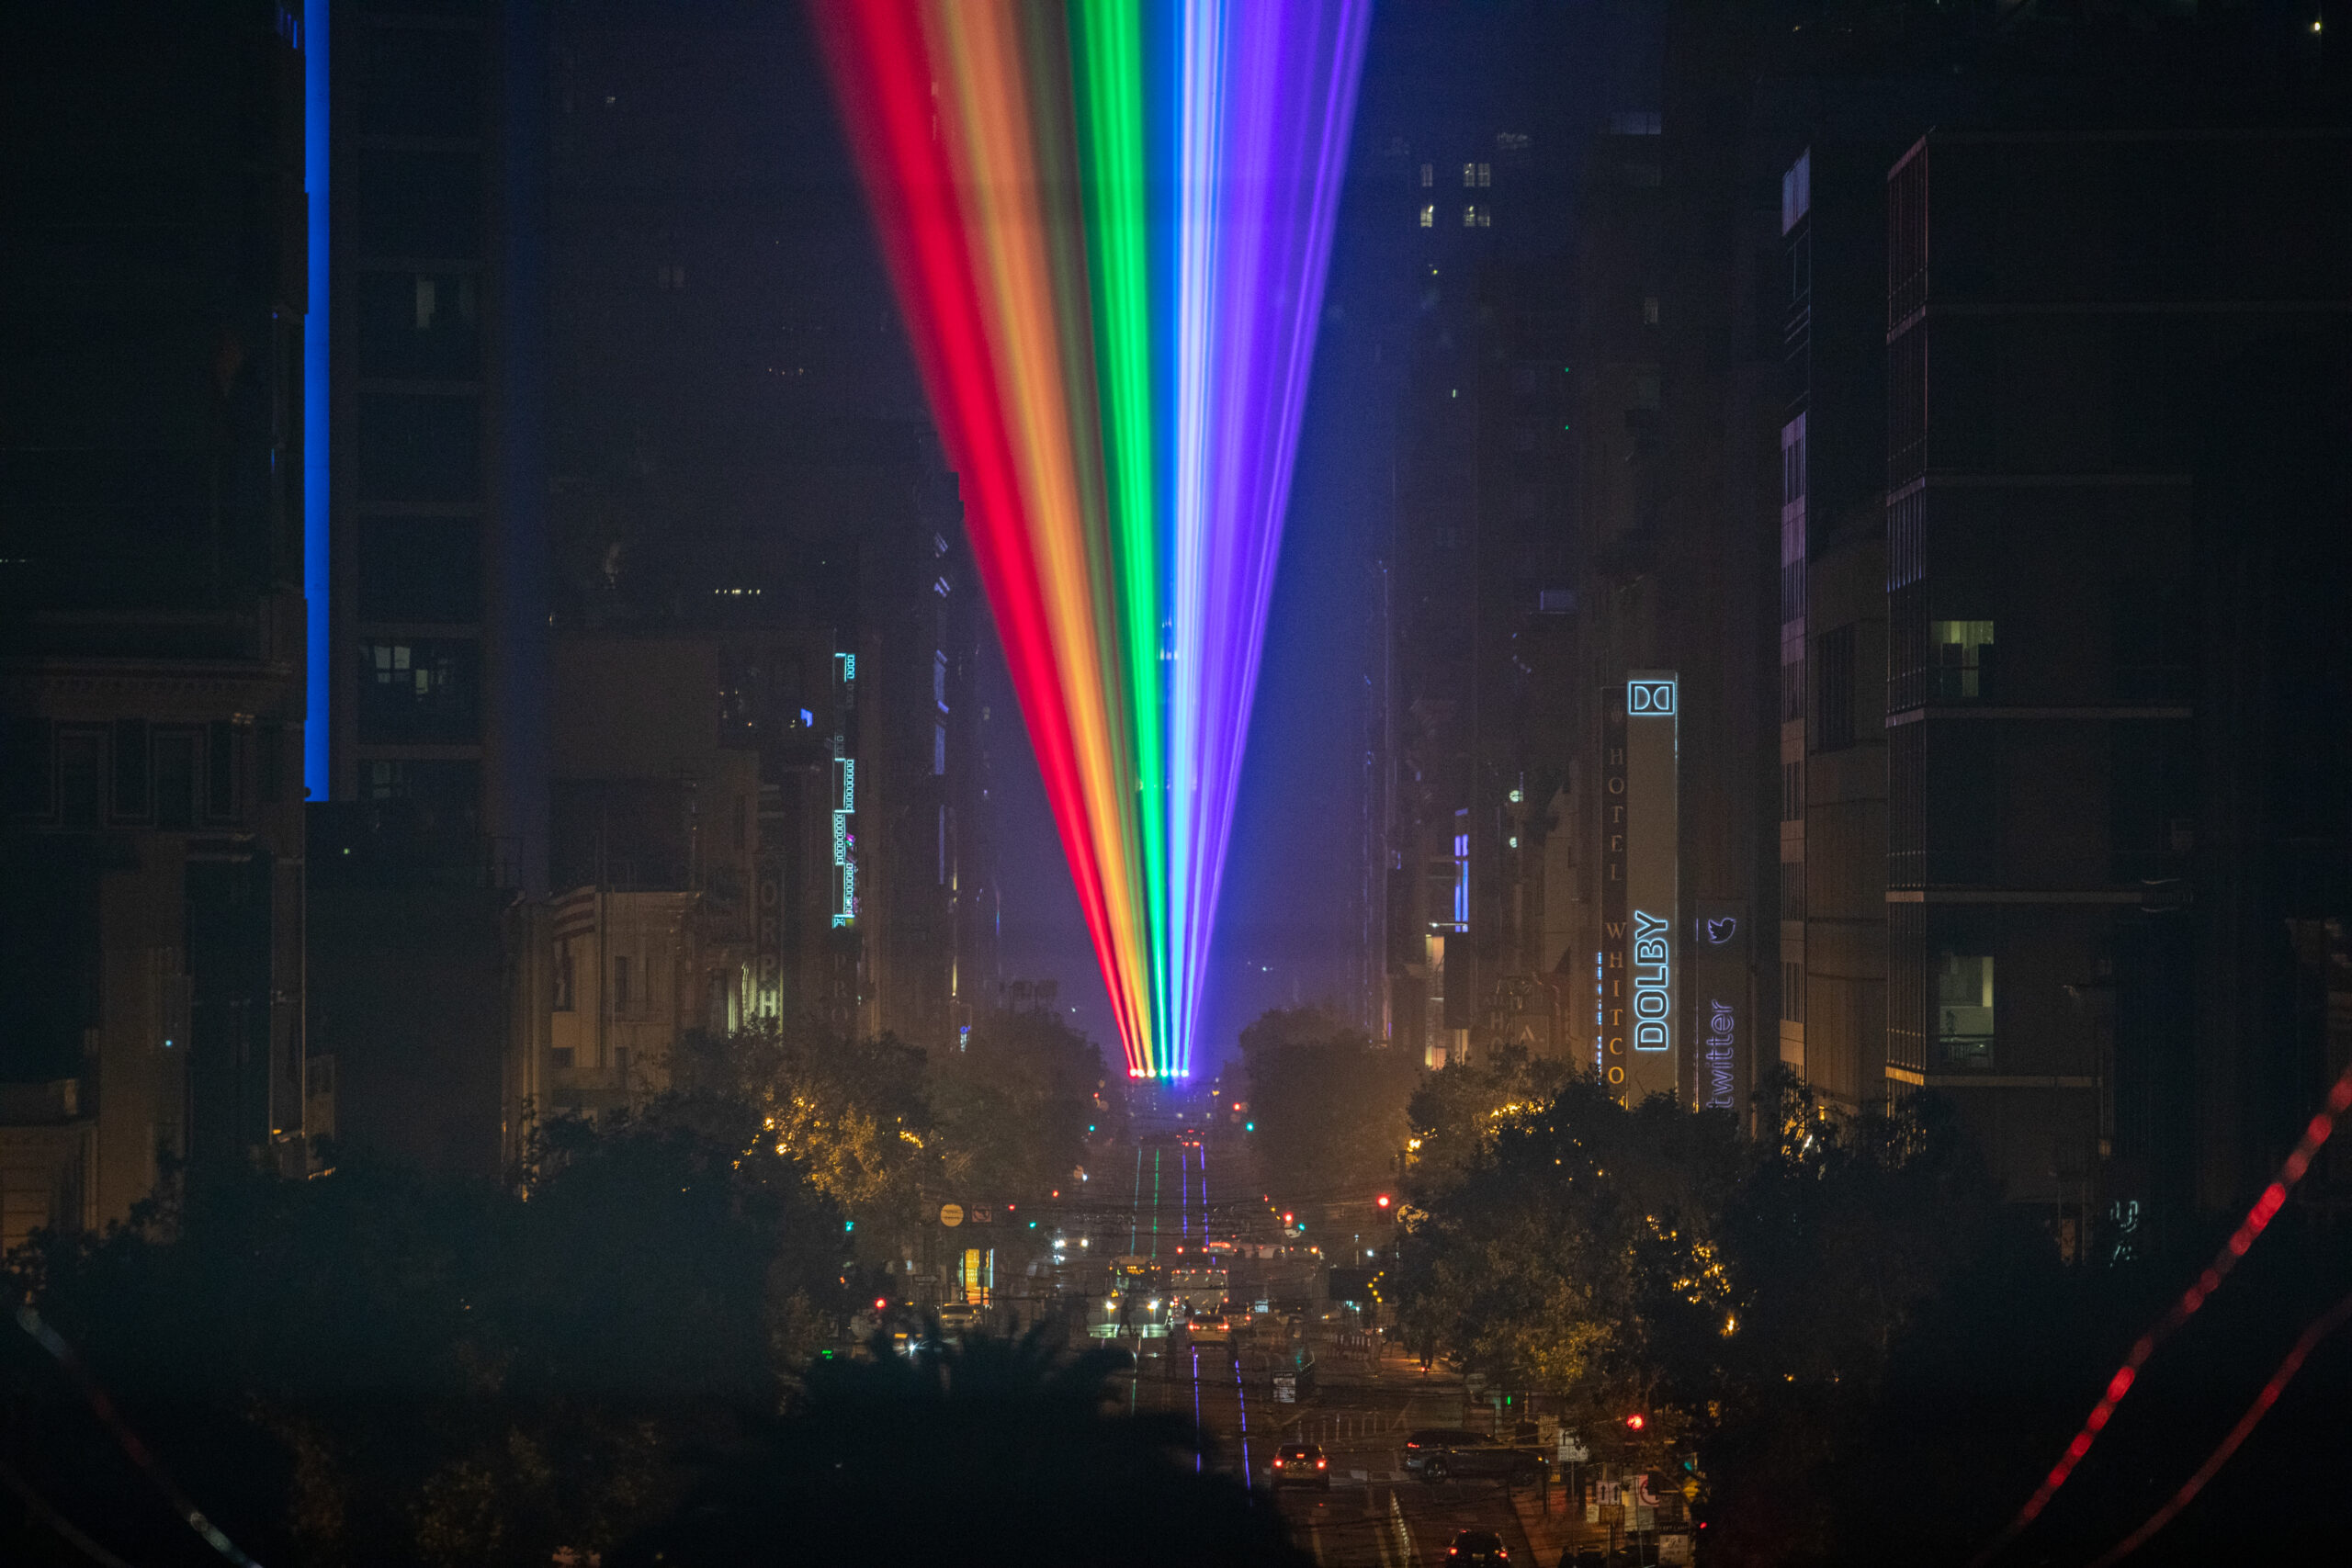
(1641, 980)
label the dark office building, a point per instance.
(429, 801)
(438, 610)
(1675, 360)
(2116, 479)
(151, 602)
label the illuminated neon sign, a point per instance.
(846, 801)
(1652, 982)
(1642, 872)
(1723, 1035)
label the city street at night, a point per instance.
(1175, 783)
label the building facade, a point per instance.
(2108, 769)
(151, 640)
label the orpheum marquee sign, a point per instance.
(1639, 978)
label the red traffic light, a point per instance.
(1382, 1200)
(1287, 1218)
(1636, 1421)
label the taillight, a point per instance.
(1278, 1464)
(1321, 1463)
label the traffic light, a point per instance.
(1636, 1421)
(1382, 1200)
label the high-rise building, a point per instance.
(427, 766)
(434, 683)
(151, 640)
(2116, 460)
(2018, 595)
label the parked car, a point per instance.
(1302, 1464)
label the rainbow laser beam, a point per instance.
(1108, 223)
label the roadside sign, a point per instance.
(1286, 1390)
(951, 1215)
(1572, 1449)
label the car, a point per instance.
(1483, 1548)
(1302, 1464)
(1209, 1331)
(1433, 1443)
(1464, 1455)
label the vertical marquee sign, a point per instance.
(1608, 965)
(1647, 939)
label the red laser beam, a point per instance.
(2320, 1327)
(2257, 1219)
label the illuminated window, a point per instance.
(1477, 216)
(1961, 653)
(418, 691)
(1469, 176)
(1428, 216)
(1964, 1011)
(1429, 175)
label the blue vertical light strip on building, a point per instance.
(316, 557)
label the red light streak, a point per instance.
(2320, 1328)
(2257, 1219)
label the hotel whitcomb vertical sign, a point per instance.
(1639, 976)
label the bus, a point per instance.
(1198, 1290)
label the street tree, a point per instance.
(1330, 1105)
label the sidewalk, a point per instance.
(1553, 1521)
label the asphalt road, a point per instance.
(1370, 1517)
